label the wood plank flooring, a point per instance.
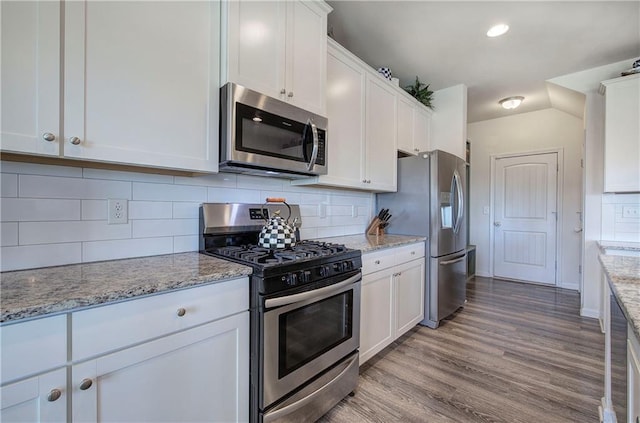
(515, 353)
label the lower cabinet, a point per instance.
(392, 300)
(633, 380)
(41, 398)
(200, 374)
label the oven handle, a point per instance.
(316, 293)
(275, 414)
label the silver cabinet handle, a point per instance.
(75, 140)
(283, 91)
(364, 181)
(290, 94)
(48, 136)
(85, 384)
(497, 224)
(181, 312)
(54, 394)
(377, 262)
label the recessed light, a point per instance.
(511, 102)
(497, 30)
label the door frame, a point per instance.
(559, 205)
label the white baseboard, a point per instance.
(483, 274)
(590, 312)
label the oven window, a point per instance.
(264, 133)
(310, 331)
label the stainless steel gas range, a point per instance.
(305, 314)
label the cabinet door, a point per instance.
(406, 126)
(141, 83)
(633, 382)
(201, 374)
(421, 130)
(30, 77)
(376, 313)
(38, 399)
(306, 55)
(409, 295)
(622, 135)
(380, 135)
(255, 32)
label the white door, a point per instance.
(42, 398)
(525, 216)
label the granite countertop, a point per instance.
(367, 243)
(623, 274)
(38, 292)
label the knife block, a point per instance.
(374, 227)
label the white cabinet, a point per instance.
(30, 77)
(141, 83)
(622, 134)
(201, 374)
(392, 296)
(633, 379)
(414, 123)
(361, 140)
(278, 48)
(41, 398)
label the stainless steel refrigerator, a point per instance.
(430, 202)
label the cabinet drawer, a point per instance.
(102, 329)
(409, 252)
(377, 260)
(33, 347)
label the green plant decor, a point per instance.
(421, 92)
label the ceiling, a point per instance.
(444, 43)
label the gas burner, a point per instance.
(302, 251)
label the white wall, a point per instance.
(449, 120)
(524, 133)
(54, 215)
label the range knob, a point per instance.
(292, 279)
(323, 271)
(305, 276)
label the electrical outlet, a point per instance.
(631, 211)
(485, 210)
(118, 211)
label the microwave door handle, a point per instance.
(314, 153)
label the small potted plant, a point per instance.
(421, 92)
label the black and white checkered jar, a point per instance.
(277, 234)
(386, 72)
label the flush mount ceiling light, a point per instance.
(497, 30)
(511, 102)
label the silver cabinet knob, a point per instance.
(377, 262)
(413, 253)
(181, 312)
(368, 181)
(54, 394)
(75, 140)
(85, 384)
(290, 94)
(283, 91)
(497, 224)
(416, 149)
(48, 136)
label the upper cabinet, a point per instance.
(277, 48)
(414, 126)
(30, 77)
(622, 134)
(140, 82)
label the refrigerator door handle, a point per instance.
(445, 263)
(460, 201)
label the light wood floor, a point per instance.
(516, 353)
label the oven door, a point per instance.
(307, 333)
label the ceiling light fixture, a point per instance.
(511, 102)
(497, 30)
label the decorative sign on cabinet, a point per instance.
(622, 134)
(137, 85)
(277, 48)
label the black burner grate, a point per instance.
(302, 251)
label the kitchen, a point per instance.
(55, 213)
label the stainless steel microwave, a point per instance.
(261, 135)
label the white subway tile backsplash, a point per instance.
(257, 182)
(308, 233)
(27, 257)
(150, 210)
(81, 230)
(116, 175)
(33, 186)
(229, 195)
(291, 197)
(217, 180)
(39, 169)
(165, 227)
(186, 210)
(9, 234)
(616, 227)
(95, 210)
(330, 231)
(339, 210)
(307, 210)
(125, 248)
(167, 192)
(8, 185)
(314, 198)
(31, 209)
(182, 244)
